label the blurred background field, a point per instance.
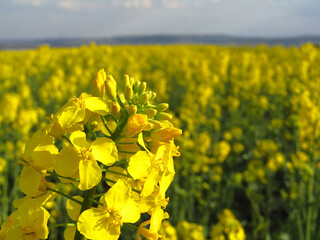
(250, 159)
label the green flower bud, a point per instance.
(150, 112)
(142, 88)
(128, 93)
(144, 98)
(162, 107)
(163, 116)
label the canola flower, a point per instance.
(250, 117)
(116, 137)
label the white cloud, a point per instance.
(132, 3)
(173, 4)
(34, 3)
(81, 4)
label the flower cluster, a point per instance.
(116, 148)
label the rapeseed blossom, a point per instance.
(93, 139)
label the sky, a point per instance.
(36, 19)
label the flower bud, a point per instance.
(132, 109)
(144, 98)
(163, 116)
(128, 93)
(165, 134)
(127, 80)
(136, 124)
(151, 112)
(152, 95)
(136, 86)
(111, 87)
(142, 88)
(162, 107)
(115, 109)
(98, 87)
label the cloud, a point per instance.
(81, 4)
(132, 3)
(34, 3)
(173, 4)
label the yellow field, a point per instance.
(250, 117)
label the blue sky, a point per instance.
(106, 18)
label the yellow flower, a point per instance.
(80, 161)
(155, 224)
(135, 124)
(98, 86)
(37, 158)
(74, 114)
(104, 222)
(29, 222)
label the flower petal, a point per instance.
(29, 180)
(104, 150)
(139, 165)
(90, 174)
(96, 105)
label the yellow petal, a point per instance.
(139, 165)
(130, 212)
(73, 208)
(104, 150)
(90, 174)
(96, 224)
(67, 162)
(151, 182)
(156, 218)
(29, 180)
(71, 114)
(96, 105)
(69, 233)
(118, 196)
(78, 139)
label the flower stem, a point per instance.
(58, 175)
(62, 225)
(86, 204)
(118, 173)
(65, 195)
(105, 124)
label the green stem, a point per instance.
(66, 138)
(130, 226)
(105, 124)
(86, 204)
(58, 175)
(121, 174)
(62, 225)
(127, 152)
(64, 195)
